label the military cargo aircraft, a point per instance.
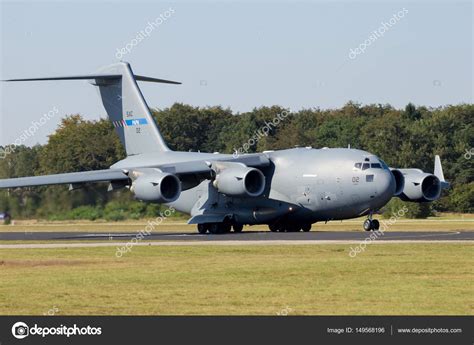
(289, 190)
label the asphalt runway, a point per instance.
(246, 236)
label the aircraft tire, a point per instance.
(238, 227)
(214, 228)
(375, 225)
(225, 228)
(273, 227)
(293, 228)
(367, 225)
(202, 228)
(306, 227)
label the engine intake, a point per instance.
(240, 181)
(399, 181)
(156, 187)
(420, 186)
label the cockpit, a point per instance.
(365, 166)
(369, 165)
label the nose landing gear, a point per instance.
(371, 224)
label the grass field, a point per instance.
(444, 223)
(393, 279)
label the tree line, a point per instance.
(403, 138)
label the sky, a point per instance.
(237, 54)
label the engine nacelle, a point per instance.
(240, 181)
(420, 186)
(399, 181)
(156, 187)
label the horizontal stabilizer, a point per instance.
(155, 80)
(98, 76)
(74, 77)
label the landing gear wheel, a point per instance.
(273, 227)
(293, 228)
(214, 228)
(367, 225)
(202, 228)
(238, 227)
(225, 228)
(375, 224)
(306, 227)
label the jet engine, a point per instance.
(156, 186)
(240, 181)
(420, 186)
(399, 181)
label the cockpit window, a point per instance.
(358, 165)
(384, 165)
(376, 166)
(365, 166)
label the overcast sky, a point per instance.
(235, 54)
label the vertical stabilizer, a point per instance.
(125, 106)
(128, 111)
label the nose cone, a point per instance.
(386, 184)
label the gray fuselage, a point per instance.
(302, 185)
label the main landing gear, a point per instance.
(289, 227)
(371, 224)
(219, 228)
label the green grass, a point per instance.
(393, 279)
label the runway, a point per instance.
(246, 236)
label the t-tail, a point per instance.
(125, 106)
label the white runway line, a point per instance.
(215, 243)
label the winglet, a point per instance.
(438, 172)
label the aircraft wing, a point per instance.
(181, 169)
(109, 175)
